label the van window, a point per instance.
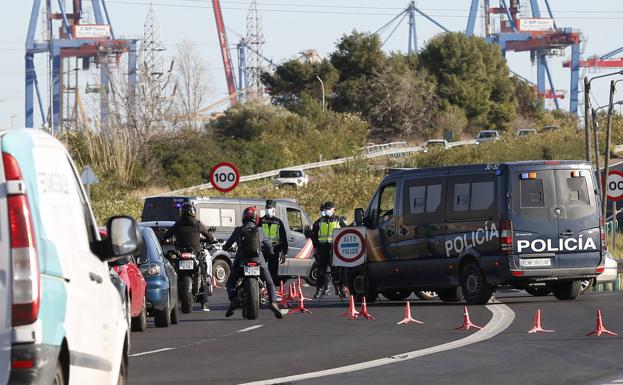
(422, 200)
(473, 197)
(531, 193)
(387, 202)
(576, 194)
(482, 195)
(295, 219)
(461, 197)
(217, 217)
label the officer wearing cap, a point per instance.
(322, 238)
(276, 234)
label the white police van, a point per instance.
(61, 317)
(464, 230)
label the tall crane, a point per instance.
(227, 63)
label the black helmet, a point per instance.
(188, 208)
(250, 215)
(270, 204)
(328, 205)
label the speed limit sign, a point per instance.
(614, 184)
(224, 177)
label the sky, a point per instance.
(291, 26)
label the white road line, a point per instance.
(502, 318)
(249, 328)
(151, 352)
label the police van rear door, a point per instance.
(554, 216)
(162, 208)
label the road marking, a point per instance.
(151, 352)
(502, 318)
(249, 328)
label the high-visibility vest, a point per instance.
(272, 232)
(325, 233)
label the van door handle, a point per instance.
(95, 277)
(567, 233)
(403, 231)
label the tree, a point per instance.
(473, 75)
(192, 87)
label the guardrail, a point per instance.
(382, 147)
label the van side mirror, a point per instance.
(123, 239)
(307, 231)
(359, 217)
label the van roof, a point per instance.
(200, 199)
(486, 168)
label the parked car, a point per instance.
(162, 301)
(549, 128)
(436, 144)
(296, 178)
(225, 214)
(122, 289)
(488, 136)
(61, 317)
(525, 132)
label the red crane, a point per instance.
(222, 37)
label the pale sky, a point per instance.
(294, 25)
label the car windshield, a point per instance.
(290, 174)
(435, 144)
(525, 132)
(487, 134)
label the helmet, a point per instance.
(188, 208)
(249, 215)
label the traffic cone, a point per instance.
(467, 323)
(300, 309)
(364, 310)
(298, 280)
(301, 296)
(600, 329)
(408, 318)
(352, 312)
(214, 284)
(281, 292)
(537, 324)
(293, 293)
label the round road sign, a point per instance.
(224, 177)
(349, 245)
(614, 185)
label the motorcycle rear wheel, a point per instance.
(186, 293)
(251, 298)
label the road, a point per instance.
(207, 348)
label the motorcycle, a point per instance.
(186, 264)
(250, 289)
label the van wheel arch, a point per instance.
(465, 259)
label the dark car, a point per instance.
(465, 230)
(161, 280)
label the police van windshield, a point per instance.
(538, 193)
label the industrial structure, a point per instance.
(68, 36)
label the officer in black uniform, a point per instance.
(276, 234)
(188, 231)
(322, 239)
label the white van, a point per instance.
(61, 317)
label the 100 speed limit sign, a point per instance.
(614, 185)
(224, 177)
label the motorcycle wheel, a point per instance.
(251, 298)
(186, 293)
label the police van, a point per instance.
(225, 214)
(464, 230)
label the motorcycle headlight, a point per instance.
(153, 270)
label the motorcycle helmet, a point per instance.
(250, 215)
(188, 208)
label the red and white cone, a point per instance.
(300, 308)
(298, 280)
(282, 291)
(364, 310)
(293, 291)
(352, 312)
(301, 296)
(467, 323)
(408, 319)
(537, 324)
(600, 329)
(214, 284)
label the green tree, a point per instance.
(473, 75)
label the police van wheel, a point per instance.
(476, 290)
(567, 290)
(220, 272)
(453, 294)
(396, 295)
(313, 275)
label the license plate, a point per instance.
(186, 265)
(535, 262)
(252, 270)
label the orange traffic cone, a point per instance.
(467, 323)
(301, 296)
(300, 309)
(537, 324)
(293, 293)
(364, 310)
(298, 280)
(352, 312)
(600, 329)
(281, 292)
(408, 318)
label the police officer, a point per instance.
(249, 221)
(276, 234)
(322, 239)
(188, 231)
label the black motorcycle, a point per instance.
(186, 263)
(249, 288)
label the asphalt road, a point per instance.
(207, 348)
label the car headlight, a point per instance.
(153, 270)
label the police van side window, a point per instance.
(387, 202)
(295, 219)
(473, 197)
(422, 200)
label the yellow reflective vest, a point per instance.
(272, 232)
(325, 232)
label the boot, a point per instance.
(230, 309)
(276, 310)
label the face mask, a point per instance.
(270, 213)
(329, 213)
(323, 213)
